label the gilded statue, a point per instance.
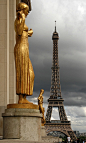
(24, 69)
(41, 108)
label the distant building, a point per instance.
(82, 134)
(77, 133)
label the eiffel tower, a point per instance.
(55, 99)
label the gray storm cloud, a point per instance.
(71, 26)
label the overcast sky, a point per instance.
(70, 19)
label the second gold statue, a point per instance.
(24, 70)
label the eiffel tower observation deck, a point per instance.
(55, 99)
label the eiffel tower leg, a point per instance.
(62, 113)
(63, 128)
(49, 113)
(72, 135)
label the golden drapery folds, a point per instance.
(24, 70)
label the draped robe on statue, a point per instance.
(24, 70)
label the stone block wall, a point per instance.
(7, 66)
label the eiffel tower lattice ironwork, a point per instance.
(56, 100)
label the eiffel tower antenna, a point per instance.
(55, 99)
(55, 26)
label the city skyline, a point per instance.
(70, 25)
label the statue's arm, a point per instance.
(19, 25)
(42, 99)
(39, 98)
(30, 32)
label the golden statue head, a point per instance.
(22, 7)
(42, 91)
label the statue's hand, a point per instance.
(23, 16)
(30, 32)
(20, 15)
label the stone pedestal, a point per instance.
(43, 133)
(23, 124)
(51, 139)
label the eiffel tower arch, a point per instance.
(55, 99)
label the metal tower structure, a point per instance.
(56, 100)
